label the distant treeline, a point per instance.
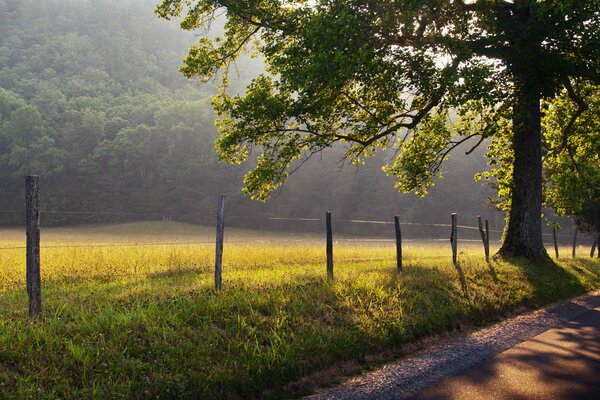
(91, 100)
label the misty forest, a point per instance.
(260, 199)
(92, 101)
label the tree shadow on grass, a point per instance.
(587, 267)
(178, 273)
(264, 336)
(493, 273)
(462, 280)
(552, 282)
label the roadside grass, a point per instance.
(145, 322)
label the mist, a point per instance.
(92, 101)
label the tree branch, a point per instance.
(238, 48)
(420, 115)
(581, 108)
(364, 108)
(476, 145)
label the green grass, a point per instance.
(141, 322)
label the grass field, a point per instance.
(142, 320)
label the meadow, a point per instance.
(130, 310)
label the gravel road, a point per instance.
(450, 356)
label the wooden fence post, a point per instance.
(33, 278)
(594, 247)
(220, 234)
(555, 241)
(454, 240)
(329, 248)
(398, 243)
(484, 237)
(575, 243)
(598, 246)
(481, 232)
(487, 241)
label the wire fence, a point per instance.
(310, 236)
(343, 239)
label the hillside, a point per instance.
(91, 99)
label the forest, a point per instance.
(91, 100)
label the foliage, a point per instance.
(571, 157)
(372, 74)
(90, 99)
(165, 333)
(573, 160)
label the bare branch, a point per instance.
(305, 159)
(476, 145)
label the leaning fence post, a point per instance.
(398, 243)
(484, 237)
(555, 241)
(329, 248)
(33, 278)
(574, 243)
(219, 250)
(594, 247)
(454, 240)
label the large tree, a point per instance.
(570, 155)
(421, 76)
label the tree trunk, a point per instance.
(523, 235)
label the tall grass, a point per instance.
(144, 321)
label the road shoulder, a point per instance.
(408, 376)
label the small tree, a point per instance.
(380, 74)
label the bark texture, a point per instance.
(523, 236)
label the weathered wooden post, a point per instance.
(484, 237)
(555, 241)
(220, 234)
(329, 248)
(398, 243)
(594, 247)
(487, 241)
(575, 243)
(33, 278)
(454, 240)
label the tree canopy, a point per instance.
(421, 77)
(572, 162)
(91, 100)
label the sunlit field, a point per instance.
(151, 249)
(130, 309)
(137, 251)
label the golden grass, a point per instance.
(141, 319)
(149, 248)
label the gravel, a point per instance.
(446, 357)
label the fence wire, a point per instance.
(260, 218)
(206, 269)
